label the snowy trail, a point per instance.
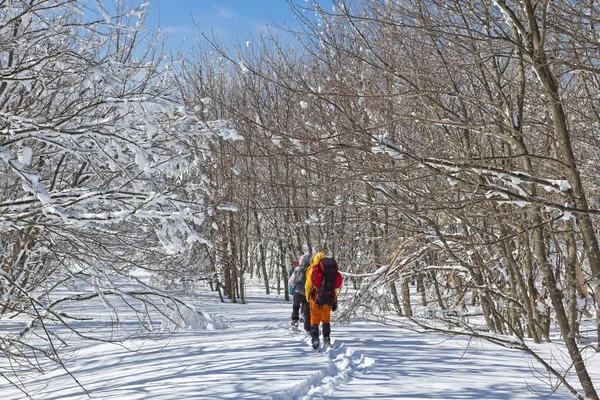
(259, 358)
(342, 364)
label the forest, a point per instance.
(447, 147)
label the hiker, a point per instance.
(291, 271)
(322, 283)
(299, 302)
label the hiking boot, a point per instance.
(315, 343)
(326, 341)
(294, 326)
(314, 333)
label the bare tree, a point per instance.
(95, 165)
(451, 130)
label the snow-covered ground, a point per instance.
(257, 357)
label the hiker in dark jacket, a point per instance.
(299, 302)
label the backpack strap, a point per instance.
(317, 269)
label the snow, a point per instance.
(382, 145)
(25, 156)
(105, 14)
(561, 184)
(243, 67)
(227, 207)
(245, 351)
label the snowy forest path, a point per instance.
(340, 365)
(315, 374)
(257, 357)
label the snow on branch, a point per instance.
(501, 185)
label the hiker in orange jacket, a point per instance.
(322, 274)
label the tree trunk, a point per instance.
(571, 278)
(262, 262)
(395, 299)
(421, 289)
(539, 59)
(406, 296)
(522, 290)
(232, 257)
(561, 316)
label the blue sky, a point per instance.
(229, 19)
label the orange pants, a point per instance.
(319, 313)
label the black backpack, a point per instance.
(325, 294)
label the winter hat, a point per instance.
(318, 257)
(305, 263)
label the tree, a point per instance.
(469, 117)
(96, 165)
(447, 133)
